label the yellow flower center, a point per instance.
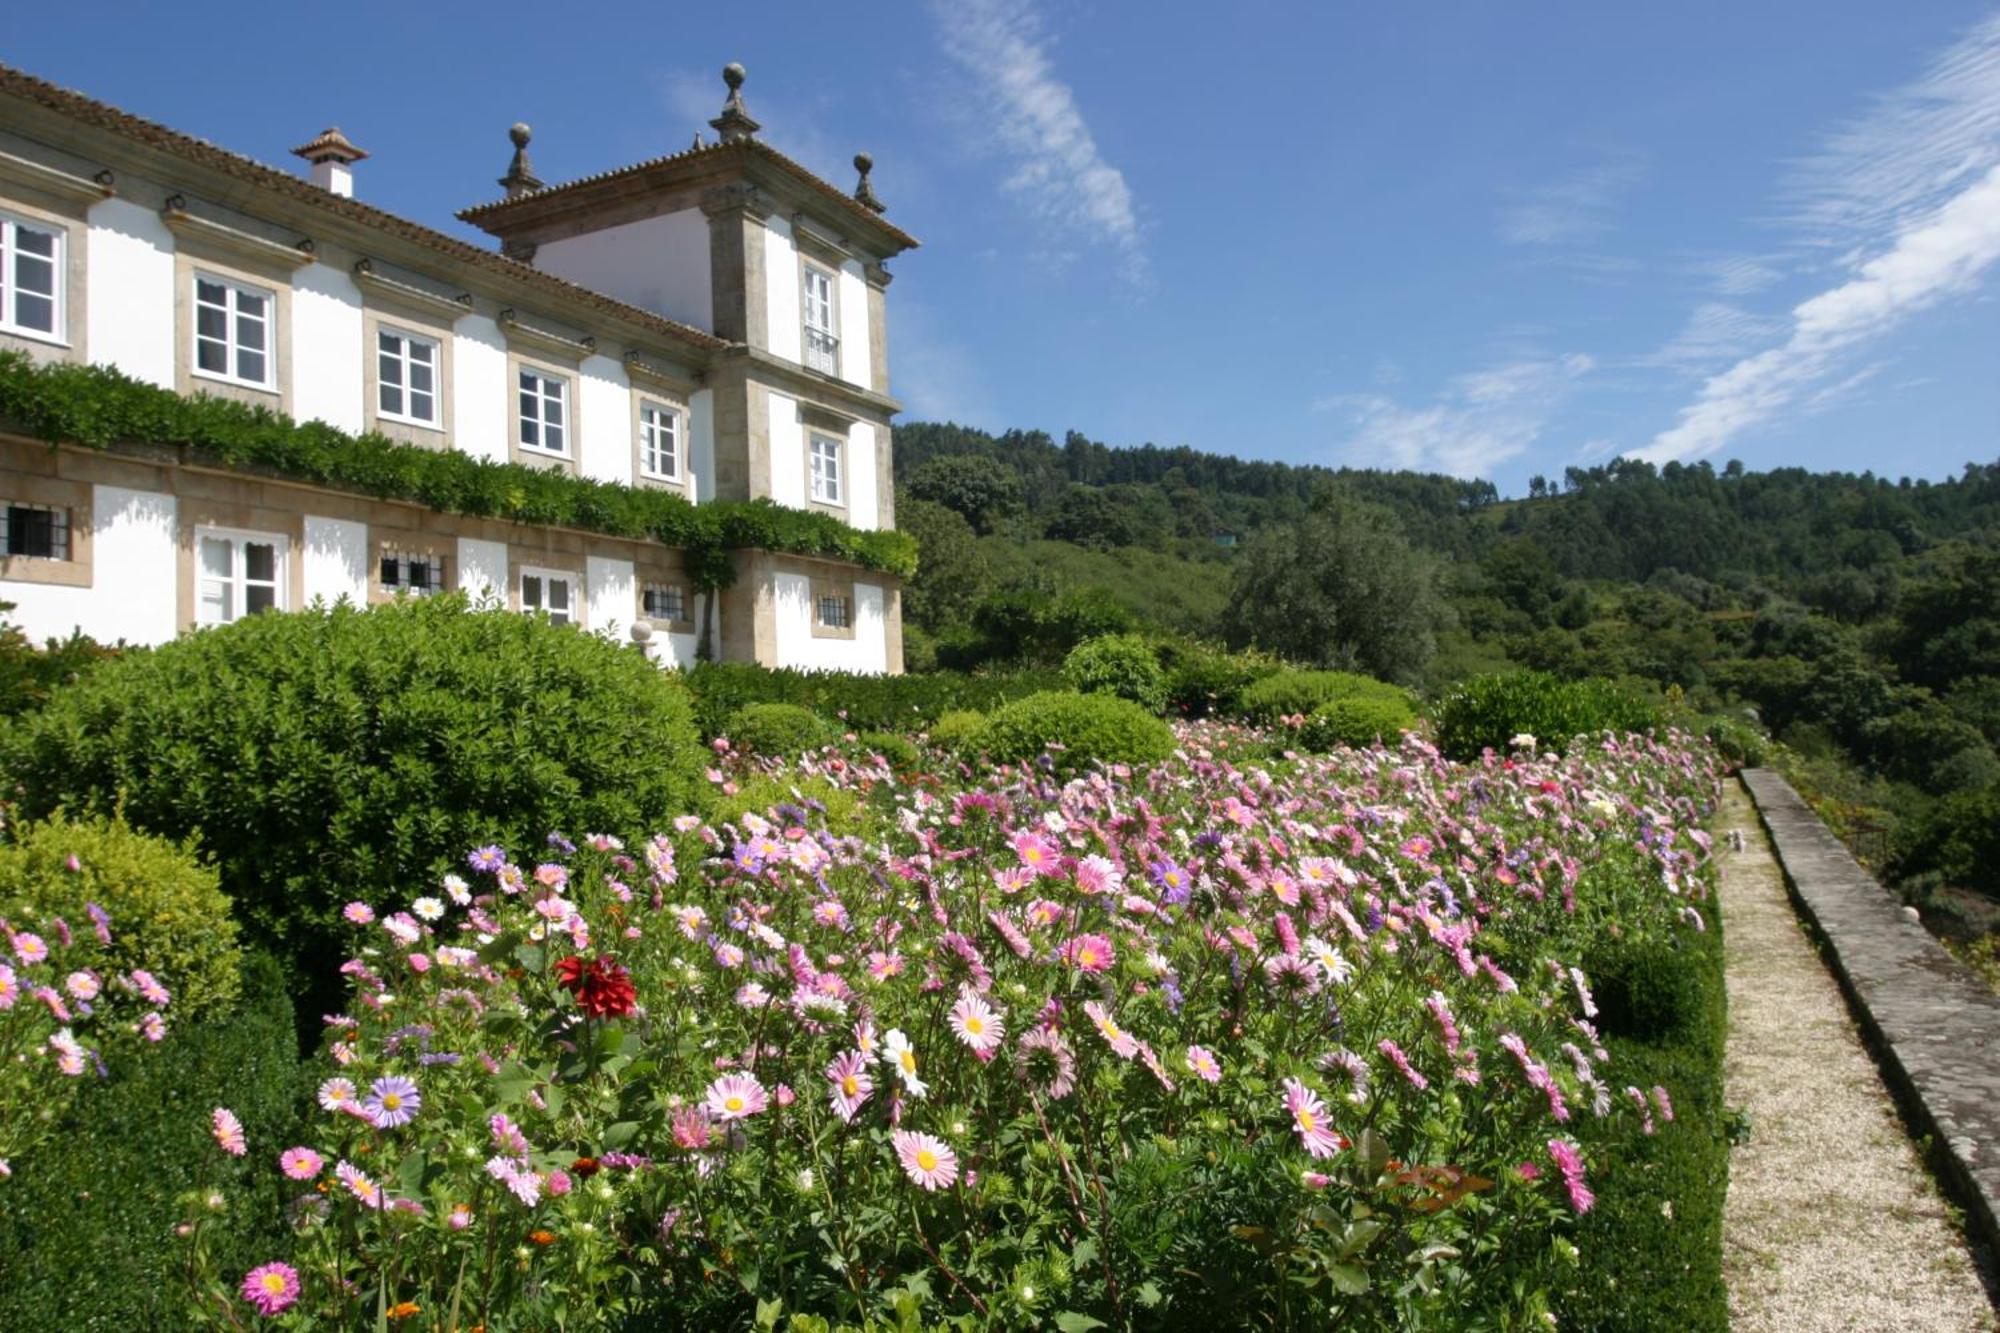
(973, 1025)
(732, 1103)
(1306, 1121)
(908, 1060)
(274, 1283)
(1087, 957)
(390, 1101)
(850, 1085)
(926, 1159)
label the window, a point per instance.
(31, 279)
(659, 442)
(232, 332)
(822, 346)
(835, 612)
(238, 575)
(826, 469)
(417, 575)
(542, 590)
(406, 377)
(663, 601)
(40, 531)
(544, 423)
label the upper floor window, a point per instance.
(544, 414)
(40, 531)
(555, 593)
(31, 273)
(826, 480)
(406, 377)
(239, 575)
(659, 442)
(417, 575)
(822, 344)
(232, 331)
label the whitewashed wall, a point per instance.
(781, 285)
(612, 594)
(863, 509)
(604, 417)
(327, 351)
(480, 389)
(134, 569)
(657, 263)
(679, 650)
(482, 569)
(701, 445)
(788, 452)
(335, 561)
(856, 352)
(866, 651)
(130, 292)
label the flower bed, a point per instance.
(1306, 1043)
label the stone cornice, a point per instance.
(208, 234)
(380, 284)
(546, 340)
(57, 182)
(836, 394)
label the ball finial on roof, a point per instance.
(864, 193)
(733, 74)
(521, 132)
(735, 121)
(520, 178)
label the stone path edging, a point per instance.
(1933, 1027)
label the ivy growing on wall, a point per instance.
(96, 406)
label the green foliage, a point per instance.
(1489, 711)
(901, 752)
(1339, 588)
(951, 569)
(902, 704)
(1204, 681)
(1358, 720)
(1297, 693)
(1121, 664)
(87, 1226)
(1956, 841)
(1027, 624)
(1739, 743)
(779, 731)
(167, 914)
(27, 673)
(953, 730)
(98, 406)
(1089, 728)
(331, 754)
(983, 491)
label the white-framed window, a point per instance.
(233, 334)
(40, 532)
(406, 377)
(835, 611)
(826, 478)
(822, 344)
(237, 574)
(544, 412)
(552, 591)
(659, 442)
(31, 279)
(663, 601)
(416, 575)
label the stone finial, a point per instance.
(520, 178)
(864, 193)
(734, 123)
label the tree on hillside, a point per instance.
(1340, 588)
(984, 490)
(951, 570)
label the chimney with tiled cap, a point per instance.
(734, 123)
(332, 158)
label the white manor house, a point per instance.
(709, 322)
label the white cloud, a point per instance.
(1031, 118)
(1715, 332)
(1738, 275)
(1571, 211)
(1479, 422)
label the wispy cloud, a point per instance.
(1032, 119)
(1911, 193)
(1738, 275)
(1574, 210)
(1715, 332)
(1480, 421)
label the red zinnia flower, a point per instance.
(602, 988)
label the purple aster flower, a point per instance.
(392, 1101)
(488, 858)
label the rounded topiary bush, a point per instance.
(780, 731)
(1488, 712)
(333, 754)
(1299, 693)
(1203, 681)
(1359, 721)
(953, 729)
(1077, 729)
(900, 751)
(167, 914)
(1118, 664)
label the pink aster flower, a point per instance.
(393, 1101)
(848, 1084)
(977, 1024)
(1045, 1060)
(460, 1217)
(1202, 1061)
(358, 913)
(83, 986)
(1037, 853)
(692, 1128)
(150, 988)
(152, 1027)
(336, 1094)
(271, 1289)
(29, 948)
(300, 1163)
(1570, 1163)
(1402, 1062)
(228, 1131)
(358, 1184)
(1089, 953)
(1310, 1119)
(1121, 1042)
(507, 1136)
(735, 1097)
(1096, 874)
(10, 989)
(928, 1161)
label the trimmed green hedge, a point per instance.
(1295, 693)
(1089, 728)
(1119, 664)
(97, 406)
(87, 1223)
(902, 704)
(954, 729)
(1358, 721)
(778, 731)
(1487, 712)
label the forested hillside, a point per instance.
(1856, 617)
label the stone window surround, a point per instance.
(71, 224)
(817, 420)
(569, 371)
(543, 560)
(378, 314)
(194, 517)
(56, 493)
(393, 539)
(191, 258)
(660, 576)
(816, 252)
(644, 396)
(829, 585)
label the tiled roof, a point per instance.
(497, 211)
(89, 111)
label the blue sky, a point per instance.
(1490, 239)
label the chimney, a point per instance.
(333, 159)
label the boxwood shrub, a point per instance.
(1087, 728)
(954, 729)
(1357, 721)
(1487, 712)
(1205, 681)
(901, 752)
(1298, 693)
(777, 731)
(336, 754)
(1118, 664)
(902, 704)
(167, 913)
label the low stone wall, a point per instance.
(1934, 1028)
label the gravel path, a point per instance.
(1832, 1221)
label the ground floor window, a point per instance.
(550, 591)
(836, 612)
(40, 531)
(238, 574)
(663, 601)
(417, 575)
